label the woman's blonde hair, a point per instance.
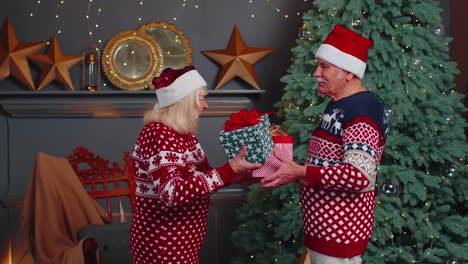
(182, 116)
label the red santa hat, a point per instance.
(345, 49)
(174, 85)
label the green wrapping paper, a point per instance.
(256, 138)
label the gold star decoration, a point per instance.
(54, 65)
(13, 55)
(237, 60)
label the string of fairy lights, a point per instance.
(184, 4)
(93, 11)
(95, 8)
(57, 16)
(91, 19)
(273, 6)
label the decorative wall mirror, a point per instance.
(174, 45)
(130, 60)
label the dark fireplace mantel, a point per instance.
(110, 104)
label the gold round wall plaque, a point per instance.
(130, 60)
(174, 45)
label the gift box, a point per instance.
(283, 148)
(250, 129)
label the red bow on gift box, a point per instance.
(241, 119)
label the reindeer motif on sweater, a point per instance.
(327, 119)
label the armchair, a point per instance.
(113, 188)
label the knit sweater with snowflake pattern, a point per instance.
(173, 184)
(343, 155)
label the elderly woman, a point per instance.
(173, 177)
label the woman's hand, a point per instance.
(243, 169)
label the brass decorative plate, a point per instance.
(174, 45)
(131, 59)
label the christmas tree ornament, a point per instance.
(390, 187)
(357, 23)
(13, 56)
(416, 61)
(333, 13)
(452, 172)
(438, 30)
(388, 113)
(237, 60)
(304, 33)
(452, 260)
(54, 65)
(448, 122)
(290, 103)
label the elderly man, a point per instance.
(338, 177)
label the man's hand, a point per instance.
(289, 172)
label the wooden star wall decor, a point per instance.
(237, 60)
(54, 65)
(13, 56)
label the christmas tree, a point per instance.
(422, 186)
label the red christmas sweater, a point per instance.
(173, 184)
(343, 155)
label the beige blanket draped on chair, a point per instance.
(56, 206)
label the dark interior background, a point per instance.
(48, 121)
